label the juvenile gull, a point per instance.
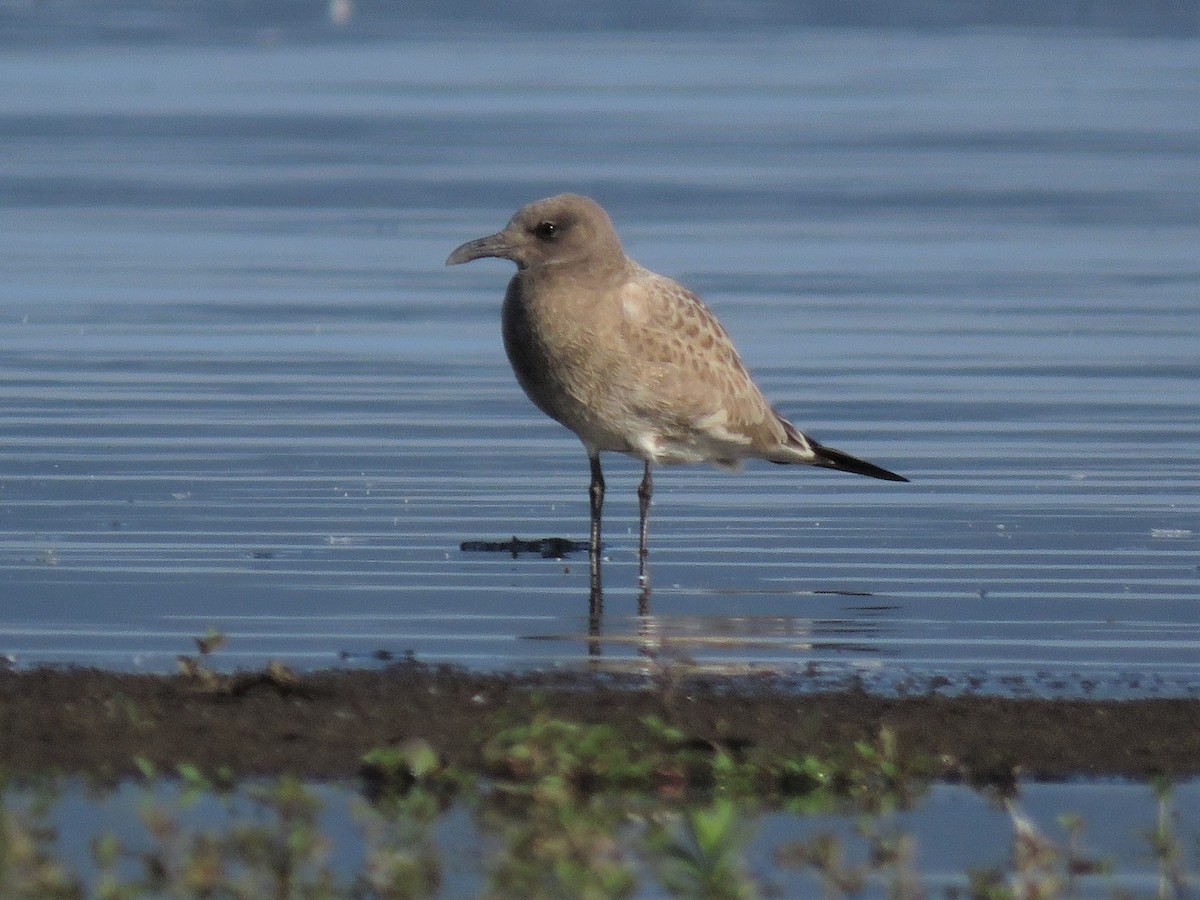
(629, 360)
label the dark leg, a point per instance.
(596, 498)
(645, 489)
(595, 616)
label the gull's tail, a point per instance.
(829, 458)
(815, 454)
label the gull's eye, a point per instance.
(546, 231)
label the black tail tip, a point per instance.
(830, 458)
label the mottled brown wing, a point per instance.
(690, 371)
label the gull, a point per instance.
(630, 360)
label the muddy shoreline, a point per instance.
(318, 725)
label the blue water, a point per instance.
(239, 390)
(953, 830)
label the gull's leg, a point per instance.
(595, 616)
(644, 491)
(596, 500)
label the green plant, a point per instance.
(556, 842)
(414, 764)
(1165, 844)
(703, 855)
(585, 756)
(28, 866)
(401, 860)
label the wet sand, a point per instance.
(96, 723)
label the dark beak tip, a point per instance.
(493, 245)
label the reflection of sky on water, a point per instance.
(239, 390)
(957, 829)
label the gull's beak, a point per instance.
(496, 245)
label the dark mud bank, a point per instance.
(318, 725)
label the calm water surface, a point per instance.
(240, 391)
(953, 831)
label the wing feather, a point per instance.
(691, 374)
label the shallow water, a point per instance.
(241, 392)
(954, 831)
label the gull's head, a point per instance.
(566, 229)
